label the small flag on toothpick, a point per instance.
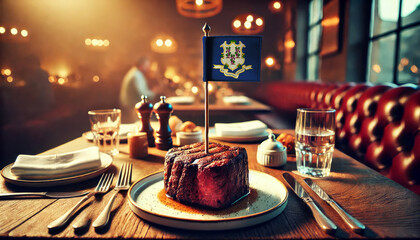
(232, 58)
(228, 59)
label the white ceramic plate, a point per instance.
(267, 199)
(106, 161)
(255, 138)
(180, 100)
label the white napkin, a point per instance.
(240, 129)
(54, 166)
(236, 100)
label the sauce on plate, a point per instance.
(239, 205)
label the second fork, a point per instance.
(123, 183)
(102, 187)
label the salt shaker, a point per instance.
(271, 153)
(163, 111)
(144, 111)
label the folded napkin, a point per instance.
(236, 100)
(55, 166)
(240, 129)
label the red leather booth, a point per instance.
(378, 125)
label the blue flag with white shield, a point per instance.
(232, 58)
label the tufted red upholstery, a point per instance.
(378, 125)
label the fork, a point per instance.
(102, 187)
(123, 183)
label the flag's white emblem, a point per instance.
(233, 59)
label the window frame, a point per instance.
(397, 31)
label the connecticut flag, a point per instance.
(232, 58)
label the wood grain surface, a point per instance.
(387, 209)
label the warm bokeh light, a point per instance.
(106, 43)
(95, 78)
(247, 25)
(330, 22)
(211, 87)
(269, 61)
(194, 90)
(404, 61)
(250, 18)
(95, 42)
(100, 42)
(61, 81)
(6, 72)
(2, 30)
(88, 41)
(236, 23)
(170, 72)
(24, 33)
(51, 79)
(159, 42)
(168, 42)
(414, 69)
(188, 85)
(400, 67)
(376, 68)
(13, 31)
(276, 5)
(9, 79)
(289, 44)
(199, 8)
(176, 79)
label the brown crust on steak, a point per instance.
(215, 179)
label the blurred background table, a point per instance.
(218, 109)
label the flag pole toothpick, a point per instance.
(206, 30)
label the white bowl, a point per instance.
(185, 138)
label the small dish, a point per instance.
(185, 138)
(271, 153)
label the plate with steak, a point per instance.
(207, 191)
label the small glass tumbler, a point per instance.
(105, 126)
(314, 142)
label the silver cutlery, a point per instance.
(43, 194)
(323, 221)
(123, 183)
(102, 187)
(352, 222)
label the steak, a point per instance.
(216, 179)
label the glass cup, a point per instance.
(314, 141)
(105, 126)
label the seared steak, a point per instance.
(215, 179)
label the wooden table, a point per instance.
(387, 209)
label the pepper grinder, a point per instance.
(163, 111)
(144, 111)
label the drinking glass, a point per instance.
(105, 126)
(314, 142)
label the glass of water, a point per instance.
(314, 141)
(105, 126)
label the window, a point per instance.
(394, 53)
(314, 37)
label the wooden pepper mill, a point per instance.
(163, 111)
(144, 111)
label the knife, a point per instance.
(323, 221)
(353, 223)
(44, 194)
